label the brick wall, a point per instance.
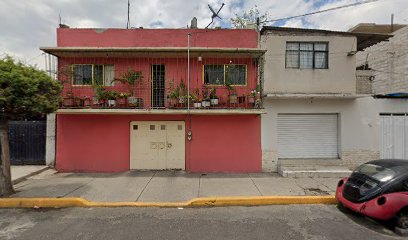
(389, 60)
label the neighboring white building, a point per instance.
(319, 109)
(388, 60)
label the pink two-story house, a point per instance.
(158, 99)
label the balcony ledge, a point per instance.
(162, 111)
(315, 95)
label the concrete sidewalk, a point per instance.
(21, 172)
(167, 186)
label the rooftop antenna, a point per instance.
(128, 15)
(60, 24)
(214, 14)
(392, 22)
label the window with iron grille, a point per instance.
(90, 74)
(235, 74)
(307, 55)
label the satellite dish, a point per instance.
(214, 14)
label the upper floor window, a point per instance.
(235, 74)
(93, 74)
(307, 55)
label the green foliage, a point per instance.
(131, 77)
(246, 18)
(103, 94)
(213, 93)
(26, 92)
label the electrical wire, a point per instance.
(321, 11)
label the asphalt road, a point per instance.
(267, 222)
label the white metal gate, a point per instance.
(157, 145)
(307, 136)
(394, 136)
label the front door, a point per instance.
(158, 85)
(157, 145)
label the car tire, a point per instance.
(341, 207)
(402, 220)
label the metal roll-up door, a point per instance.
(307, 135)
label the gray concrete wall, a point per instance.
(338, 78)
(50, 140)
(389, 60)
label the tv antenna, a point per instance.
(128, 13)
(214, 14)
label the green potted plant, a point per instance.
(213, 97)
(196, 98)
(232, 95)
(172, 94)
(132, 77)
(112, 96)
(251, 96)
(122, 98)
(206, 98)
(182, 93)
(101, 95)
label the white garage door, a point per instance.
(307, 135)
(394, 136)
(157, 145)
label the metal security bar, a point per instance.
(149, 81)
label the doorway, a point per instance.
(157, 145)
(158, 86)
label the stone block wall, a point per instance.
(269, 161)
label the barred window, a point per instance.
(89, 74)
(214, 74)
(307, 55)
(235, 74)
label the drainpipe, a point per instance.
(188, 72)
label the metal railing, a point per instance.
(142, 97)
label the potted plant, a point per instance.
(213, 97)
(112, 96)
(232, 95)
(251, 96)
(101, 95)
(132, 77)
(122, 98)
(195, 97)
(182, 93)
(206, 98)
(172, 94)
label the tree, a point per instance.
(25, 93)
(246, 18)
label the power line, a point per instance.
(322, 11)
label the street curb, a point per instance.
(195, 202)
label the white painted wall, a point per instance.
(50, 140)
(359, 119)
(338, 78)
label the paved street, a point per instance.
(269, 222)
(165, 186)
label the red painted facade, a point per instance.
(211, 38)
(101, 143)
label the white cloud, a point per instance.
(27, 25)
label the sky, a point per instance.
(27, 25)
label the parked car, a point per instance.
(378, 189)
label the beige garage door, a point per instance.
(157, 145)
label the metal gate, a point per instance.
(27, 142)
(394, 136)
